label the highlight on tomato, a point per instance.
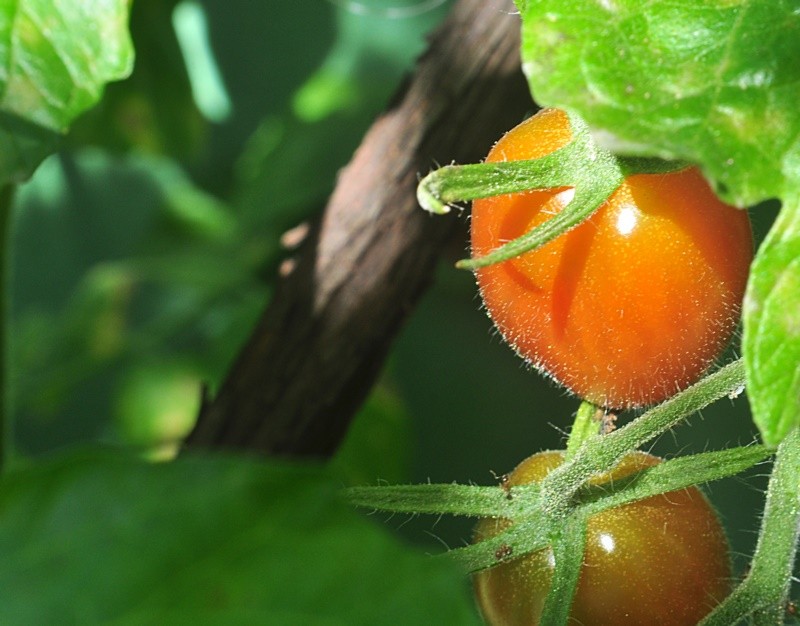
(635, 303)
(661, 560)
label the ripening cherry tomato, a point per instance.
(659, 561)
(632, 305)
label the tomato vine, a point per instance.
(553, 513)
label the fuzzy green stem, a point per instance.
(589, 196)
(585, 426)
(601, 454)
(765, 590)
(534, 531)
(568, 549)
(448, 499)
(530, 535)
(460, 183)
(6, 213)
(672, 475)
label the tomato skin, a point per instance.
(632, 305)
(662, 561)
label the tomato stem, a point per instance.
(766, 588)
(568, 549)
(528, 535)
(445, 499)
(459, 183)
(533, 530)
(601, 454)
(672, 475)
(586, 425)
(587, 200)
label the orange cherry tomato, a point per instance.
(632, 305)
(662, 561)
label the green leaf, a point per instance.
(55, 59)
(97, 538)
(713, 82)
(771, 341)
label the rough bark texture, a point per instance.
(361, 269)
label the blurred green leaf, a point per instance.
(322, 124)
(140, 263)
(713, 82)
(208, 88)
(157, 406)
(378, 443)
(55, 59)
(771, 341)
(96, 537)
(22, 147)
(273, 172)
(152, 110)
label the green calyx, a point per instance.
(593, 173)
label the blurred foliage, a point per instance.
(162, 226)
(96, 538)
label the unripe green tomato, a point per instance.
(661, 561)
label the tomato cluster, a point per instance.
(661, 560)
(625, 310)
(632, 305)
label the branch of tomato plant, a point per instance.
(566, 492)
(764, 591)
(568, 548)
(6, 213)
(587, 199)
(535, 529)
(677, 473)
(600, 454)
(459, 183)
(561, 168)
(525, 536)
(585, 426)
(592, 172)
(452, 499)
(568, 539)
